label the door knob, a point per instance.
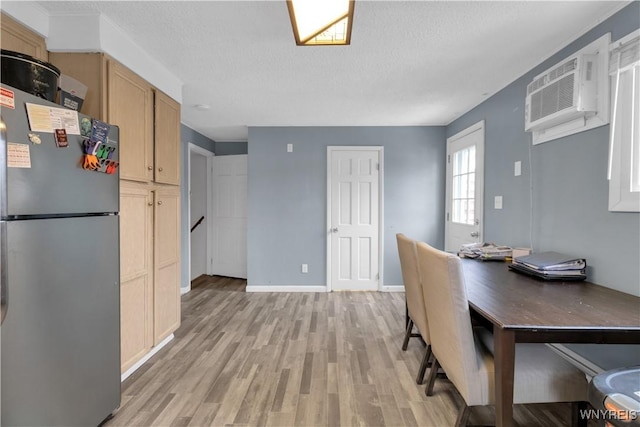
(150, 203)
(159, 169)
(475, 234)
(150, 168)
(159, 202)
(334, 230)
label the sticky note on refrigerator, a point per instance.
(18, 155)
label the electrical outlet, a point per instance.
(305, 268)
(497, 202)
(517, 168)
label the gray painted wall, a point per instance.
(569, 177)
(288, 193)
(187, 135)
(223, 148)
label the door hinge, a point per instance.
(377, 276)
(448, 158)
(447, 216)
(377, 166)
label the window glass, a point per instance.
(464, 182)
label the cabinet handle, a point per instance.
(150, 203)
(160, 169)
(159, 202)
(150, 168)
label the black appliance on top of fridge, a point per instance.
(60, 272)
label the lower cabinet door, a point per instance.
(136, 273)
(166, 296)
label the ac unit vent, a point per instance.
(589, 71)
(557, 72)
(553, 98)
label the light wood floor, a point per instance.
(299, 359)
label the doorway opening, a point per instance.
(199, 210)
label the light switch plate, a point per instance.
(497, 202)
(517, 168)
(289, 148)
(305, 268)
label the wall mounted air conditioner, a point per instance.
(570, 97)
(565, 93)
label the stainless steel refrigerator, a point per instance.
(60, 268)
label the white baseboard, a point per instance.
(253, 288)
(146, 357)
(185, 290)
(393, 288)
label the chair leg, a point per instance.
(407, 335)
(577, 408)
(406, 313)
(463, 416)
(432, 377)
(423, 365)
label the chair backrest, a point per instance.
(452, 340)
(412, 285)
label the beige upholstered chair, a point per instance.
(539, 375)
(415, 299)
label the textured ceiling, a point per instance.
(409, 62)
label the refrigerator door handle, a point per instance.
(4, 293)
(4, 283)
(3, 169)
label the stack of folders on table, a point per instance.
(551, 266)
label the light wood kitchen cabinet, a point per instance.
(136, 273)
(18, 38)
(166, 297)
(149, 120)
(167, 139)
(130, 106)
(149, 267)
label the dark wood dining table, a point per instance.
(519, 308)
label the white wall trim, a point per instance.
(392, 288)
(380, 149)
(193, 148)
(285, 288)
(146, 357)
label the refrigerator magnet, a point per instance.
(61, 138)
(99, 131)
(35, 138)
(90, 147)
(90, 162)
(85, 127)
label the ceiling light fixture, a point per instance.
(321, 22)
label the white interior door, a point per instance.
(229, 221)
(198, 209)
(465, 184)
(354, 218)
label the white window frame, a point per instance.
(624, 141)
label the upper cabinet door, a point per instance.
(130, 106)
(18, 38)
(167, 139)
